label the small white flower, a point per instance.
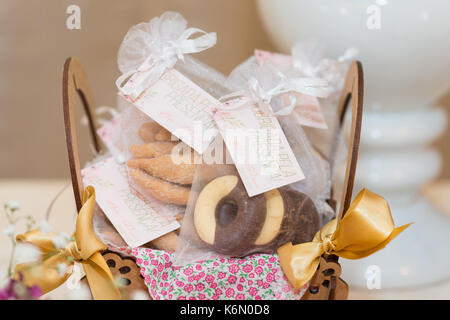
(45, 227)
(12, 205)
(26, 252)
(60, 240)
(9, 231)
(139, 295)
(61, 268)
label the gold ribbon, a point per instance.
(366, 227)
(85, 249)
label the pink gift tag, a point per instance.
(308, 111)
(180, 106)
(110, 135)
(138, 221)
(258, 147)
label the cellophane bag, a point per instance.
(310, 59)
(152, 152)
(109, 132)
(221, 218)
(144, 147)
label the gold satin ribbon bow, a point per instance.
(366, 227)
(85, 249)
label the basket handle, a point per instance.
(354, 90)
(75, 81)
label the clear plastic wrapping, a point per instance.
(153, 155)
(221, 219)
(150, 150)
(146, 149)
(310, 59)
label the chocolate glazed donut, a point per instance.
(291, 216)
(226, 218)
(232, 223)
(279, 225)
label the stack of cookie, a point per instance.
(158, 169)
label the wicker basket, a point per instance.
(326, 283)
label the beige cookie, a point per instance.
(180, 217)
(148, 131)
(162, 190)
(152, 149)
(112, 237)
(166, 242)
(164, 135)
(165, 168)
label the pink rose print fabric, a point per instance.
(255, 277)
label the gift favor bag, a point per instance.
(168, 91)
(275, 189)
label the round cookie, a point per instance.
(279, 226)
(148, 130)
(152, 131)
(305, 217)
(232, 223)
(166, 242)
(223, 213)
(152, 149)
(163, 135)
(300, 222)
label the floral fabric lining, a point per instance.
(255, 277)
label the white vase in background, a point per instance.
(404, 46)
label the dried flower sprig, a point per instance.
(16, 289)
(24, 253)
(11, 208)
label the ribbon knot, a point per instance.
(366, 227)
(73, 251)
(170, 51)
(327, 244)
(259, 95)
(85, 249)
(263, 97)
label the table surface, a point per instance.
(35, 196)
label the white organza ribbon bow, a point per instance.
(152, 48)
(263, 97)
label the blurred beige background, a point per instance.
(34, 42)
